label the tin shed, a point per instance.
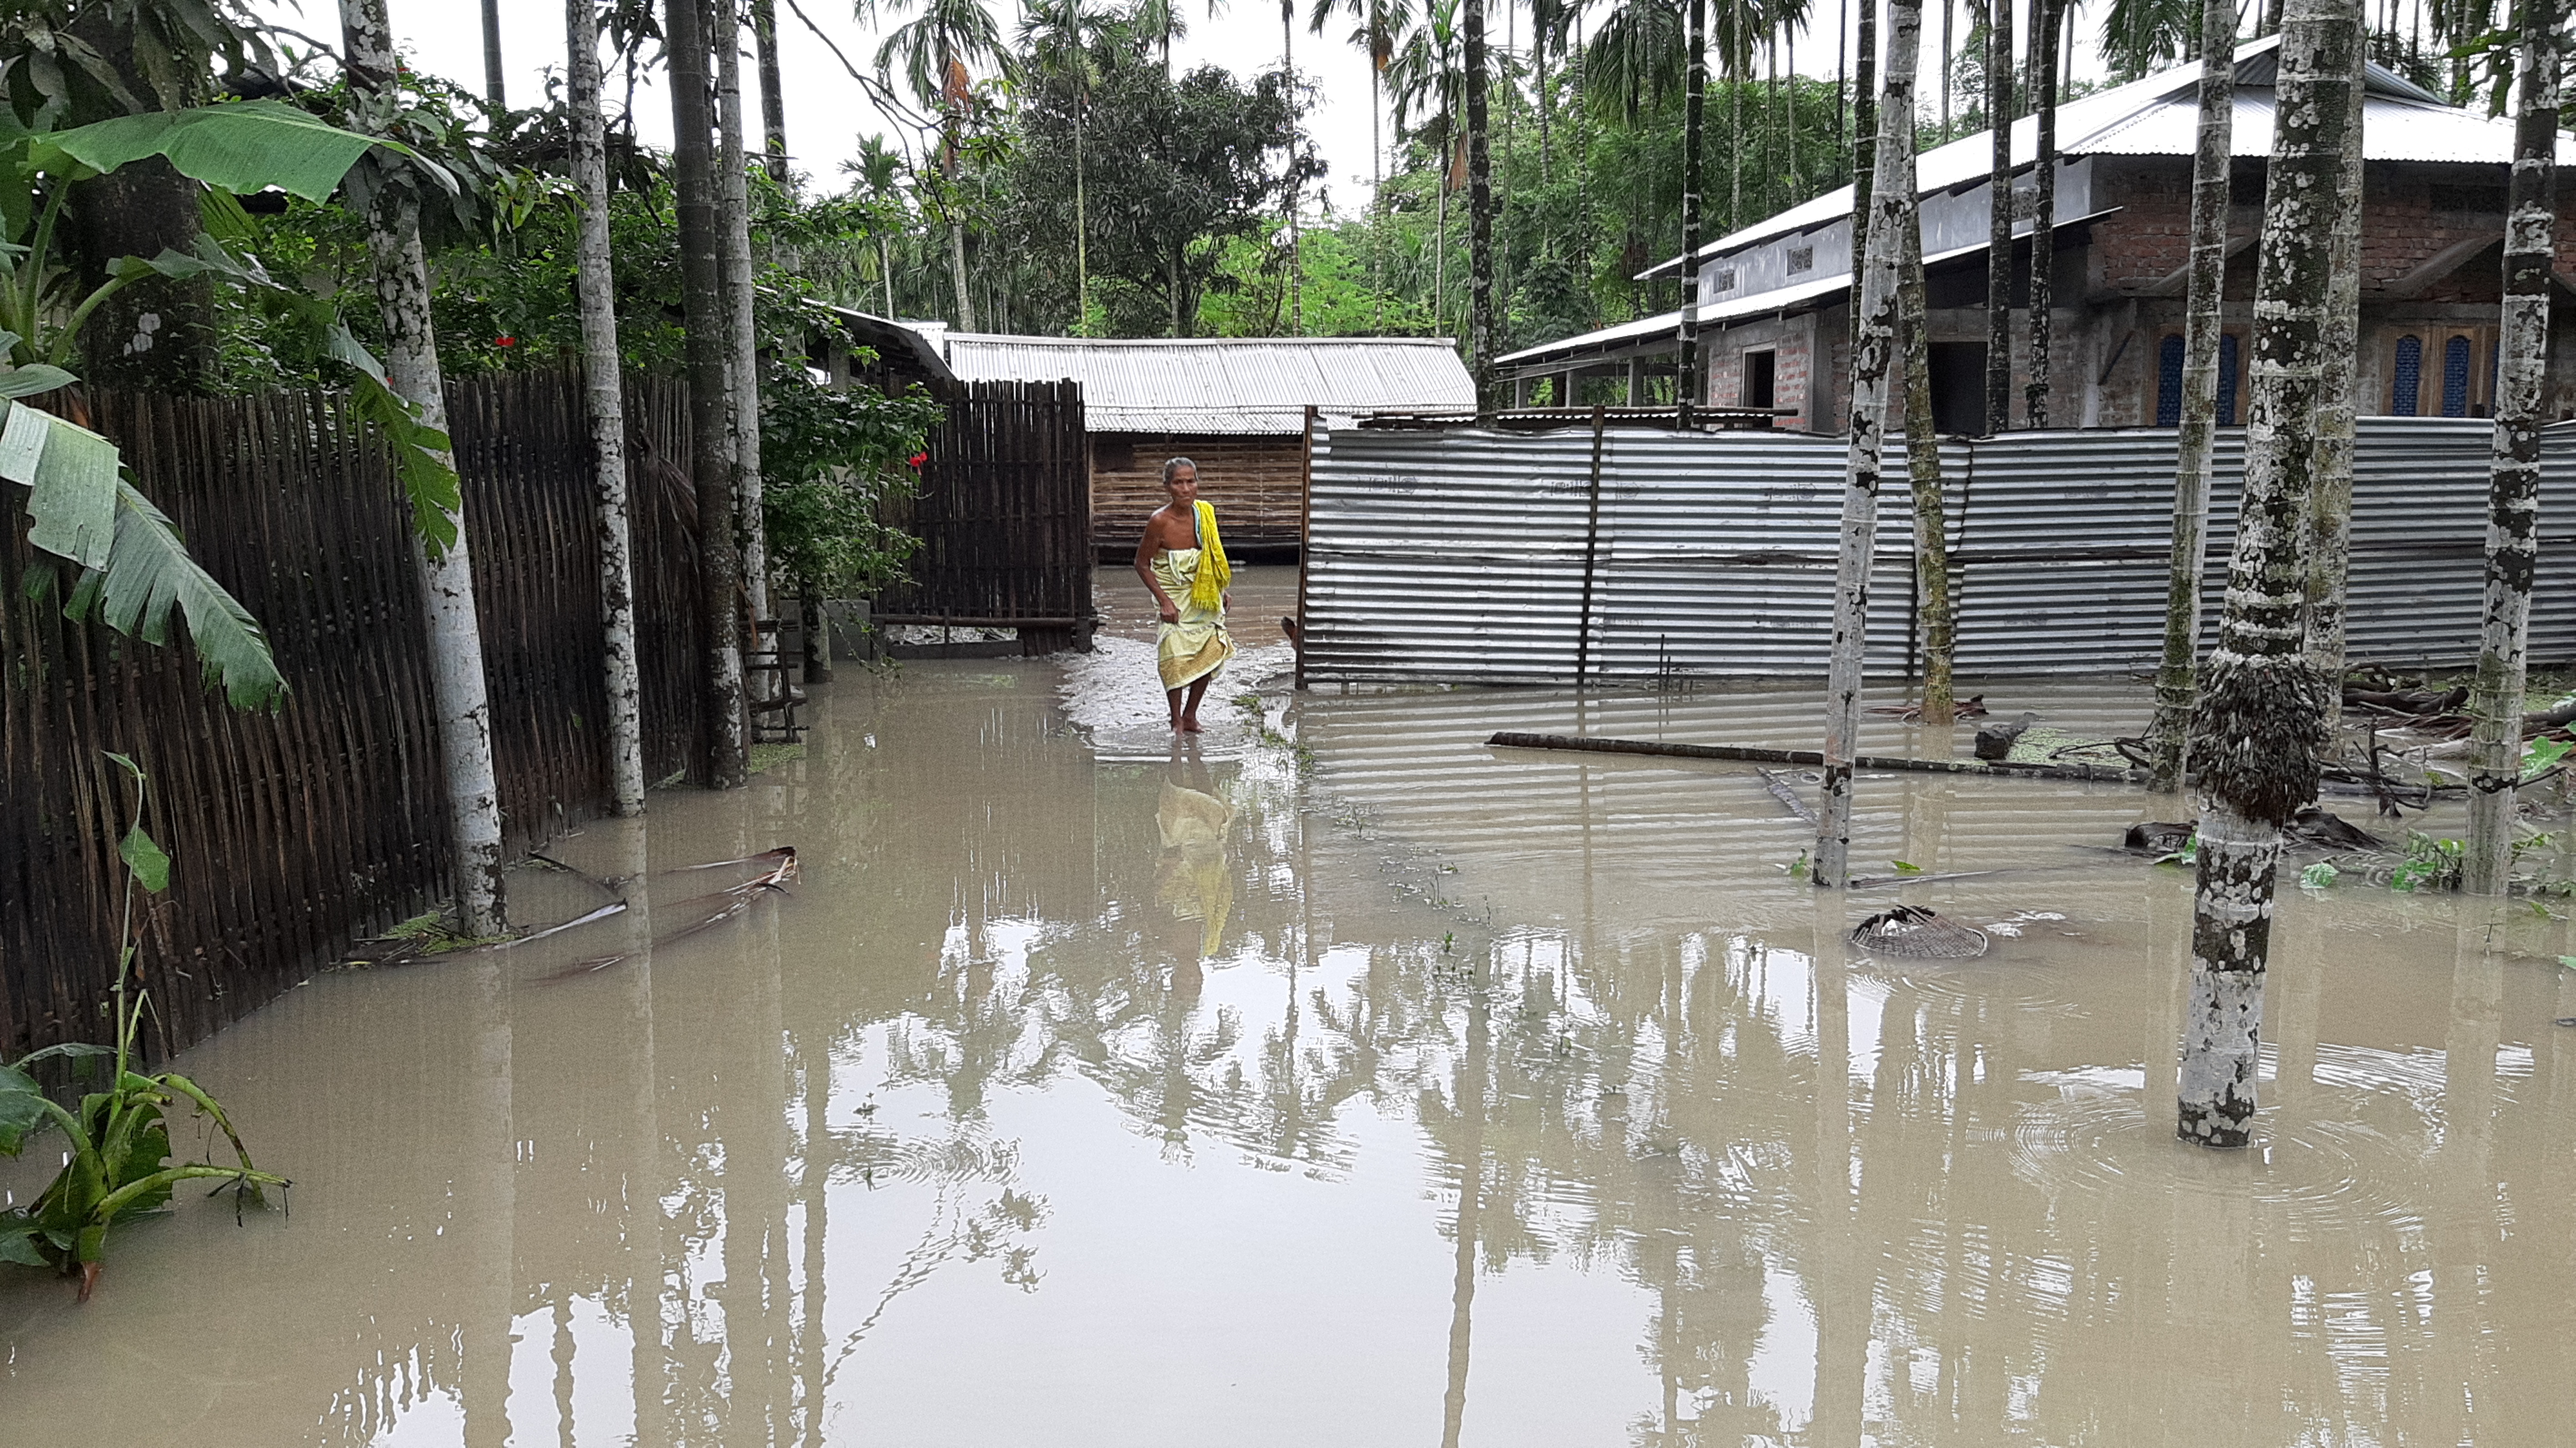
(1235, 406)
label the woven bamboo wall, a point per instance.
(1257, 484)
(291, 832)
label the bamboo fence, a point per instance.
(292, 832)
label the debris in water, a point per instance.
(2158, 837)
(1781, 791)
(1972, 707)
(2315, 826)
(1911, 930)
(691, 916)
(1995, 741)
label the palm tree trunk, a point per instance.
(773, 101)
(885, 271)
(1546, 104)
(1687, 392)
(1440, 238)
(1737, 58)
(1923, 466)
(1081, 233)
(1999, 269)
(708, 343)
(604, 391)
(493, 88)
(2043, 224)
(1377, 177)
(957, 259)
(1502, 307)
(2330, 509)
(1770, 122)
(742, 361)
(2259, 749)
(1296, 246)
(2177, 675)
(1797, 192)
(1480, 208)
(1949, 14)
(1864, 148)
(1893, 158)
(955, 199)
(457, 689)
(2513, 515)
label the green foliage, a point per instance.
(2319, 876)
(81, 507)
(119, 1138)
(2542, 755)
(834, 460)
(161, 55)
(2188, 855)
(2430, 864)
(1174, 169)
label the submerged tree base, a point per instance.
(2237, 867)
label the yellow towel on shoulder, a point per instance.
(1207, 590)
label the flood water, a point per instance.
(1345, 1081)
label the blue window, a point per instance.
(2406, 379)
(2227, 379)
(2455, 377)
(2169, 382)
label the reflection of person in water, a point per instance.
(1183, 561)
(1192, 822)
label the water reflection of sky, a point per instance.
(1086, 1094)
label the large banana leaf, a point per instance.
(137, 569)
(238, 145)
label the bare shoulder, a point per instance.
(1163, 524)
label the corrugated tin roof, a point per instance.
(2392, 129)
(2159, 116)
(1776, 299)
(1224, 385)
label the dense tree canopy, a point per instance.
(1177, 168)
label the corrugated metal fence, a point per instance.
(1496, 558)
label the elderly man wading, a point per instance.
(1183, 561)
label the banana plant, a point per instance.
(119, 1167)
(82, 506)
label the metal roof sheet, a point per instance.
(1224, 385)
(2391, 130)
(1776, 299)
(2159, 116)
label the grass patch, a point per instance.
(432, 935)
(765, 757)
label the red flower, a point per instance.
(917, 459)
(505, 341)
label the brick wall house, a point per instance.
(1775, 297)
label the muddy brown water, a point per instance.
(1405, 1092)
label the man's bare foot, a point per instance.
(1189, 725)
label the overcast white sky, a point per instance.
(826, 114)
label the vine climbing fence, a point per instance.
(292, 831)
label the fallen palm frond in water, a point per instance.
(1781, 791)
(703, 913)
(428, 935)
(614, 907)
(1863, 882)
(1972, 707)
(1912, 931)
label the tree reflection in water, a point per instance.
(724, 1193)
